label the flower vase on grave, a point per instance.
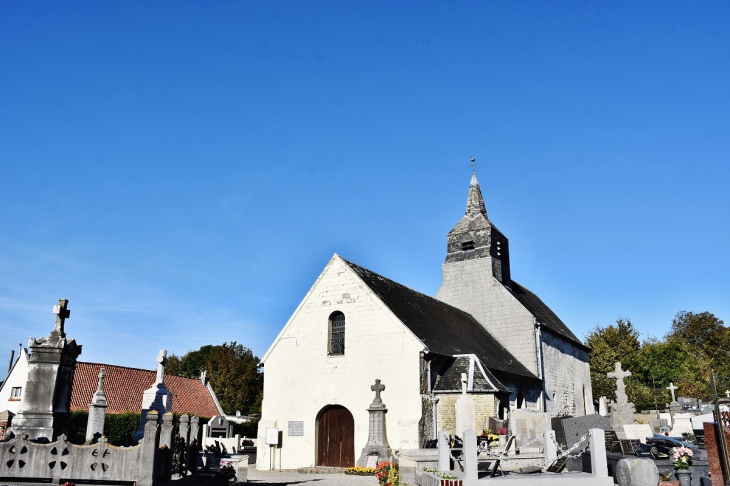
(684, 477)
(502, 441)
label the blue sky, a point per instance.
(182, 171)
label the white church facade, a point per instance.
(355, 326)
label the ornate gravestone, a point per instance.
(377, 445)
(45, 411)
(622, 411)
(97, 412)
(156, 397)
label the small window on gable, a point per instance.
(15, 392)
(336, 334)
(467, 245)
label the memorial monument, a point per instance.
(45, 412)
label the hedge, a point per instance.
(119, 427)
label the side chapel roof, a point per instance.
(444, 329)
(124, 387)
(479, 379)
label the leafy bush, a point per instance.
(117, 427)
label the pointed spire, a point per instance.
(475, 201)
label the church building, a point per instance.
(355, 326)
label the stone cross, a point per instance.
(671, 388)
(464, 381)
(62, 313)
(377, 388)
(727, 393)
(161, 362)
(619, 375)
(101, 380)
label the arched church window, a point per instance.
(337, 334)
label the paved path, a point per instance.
(282, 478)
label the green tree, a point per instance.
(609, 345)
(235, 376)
(707, 341)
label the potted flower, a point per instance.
(502, 433)
(682, 461)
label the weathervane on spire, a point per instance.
(473, 163)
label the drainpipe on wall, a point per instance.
(540, 370)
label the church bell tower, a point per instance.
(475, 237)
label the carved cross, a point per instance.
(727, 393)
(671, 388)
(62, 313)
(377, 388)
(619, 375)
(161, 362)
(464, 382)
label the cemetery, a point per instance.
(40, 444)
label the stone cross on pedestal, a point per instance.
(97, 412)
(62, 313)
(619, 375)
(671, 388)
(161, 362)
(377, 388)
(377, 448)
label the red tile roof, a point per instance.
(124, 386)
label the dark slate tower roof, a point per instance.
(444, 329)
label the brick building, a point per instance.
(355, 326)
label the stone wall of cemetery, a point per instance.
(300, 379)
(470, 286)
(485, 405)
(567, 377)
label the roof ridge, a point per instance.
(409, 288)
(136, 369)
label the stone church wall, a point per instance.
(486, 405)
(301, 379)
(469, 286)
(568, 378)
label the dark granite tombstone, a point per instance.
(575, 428)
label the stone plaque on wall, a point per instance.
(296, 428)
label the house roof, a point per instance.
(124, 387)
(442, 328)
(542, 312)
(479, 378)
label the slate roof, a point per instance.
(124, 386)
(450, 381)
(544, 315)
(444, 329)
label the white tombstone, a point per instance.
(603, 407)
(465, 411)
(682, 424)
(529, 428)
(635, 432)
(444, 463)
(551, 451)
(470, 453)
(698, 420)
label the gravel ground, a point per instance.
(281, 478)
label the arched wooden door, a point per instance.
(336, 437)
